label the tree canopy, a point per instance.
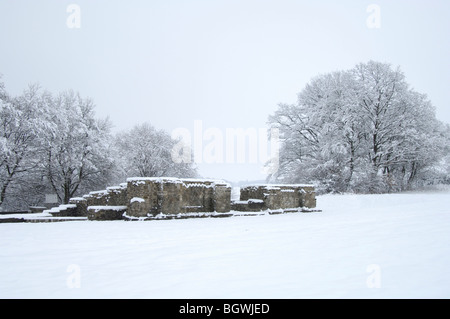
(55, 144)
(362, 130)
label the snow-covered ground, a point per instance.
(359, 246)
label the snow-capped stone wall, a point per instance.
(150, 196)
(106, 212)
(112, 196)
(275, 197)
(165, 197)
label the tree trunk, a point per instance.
(412, 175)
(3, 193)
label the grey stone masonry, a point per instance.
(112, 196)
(222, 198)
(166, 197)
(151, 196)
(276, 197)
(106, 212)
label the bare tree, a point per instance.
(77, 147)
(21, 129)
(146, 151)
(362, 129)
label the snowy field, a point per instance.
(359, 246)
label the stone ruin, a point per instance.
(148, 198)
(274, 198)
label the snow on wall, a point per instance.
(169, 195)
(96, 209)
(150, 196)
(278, 196)
(187, 181)
(59, 208)
(137, 199)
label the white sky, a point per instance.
(224, 63)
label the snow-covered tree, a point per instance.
(321, 135)
(21, 128)
(362, 129)
(55, 144)
(399, 126)
(78, 154)
(146, 152)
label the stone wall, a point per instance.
(112, 196)
(275, 197)
(222, 198)
(148, 196)
(250, 205)
(106, 212)
(165, 197)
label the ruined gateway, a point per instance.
(148, 198)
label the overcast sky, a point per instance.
(225, 63)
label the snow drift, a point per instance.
(359, 246)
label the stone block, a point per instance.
(65, 210)
(106, 212)
(117, 195)
(250, 205)
(81, 204)
(222, 198)
(308, 197)
(149, 194)
(171, 196)
(282, 196)
(97, 198)
(197, 196)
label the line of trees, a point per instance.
(362, 130)
(54, 144)
(358, 130)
